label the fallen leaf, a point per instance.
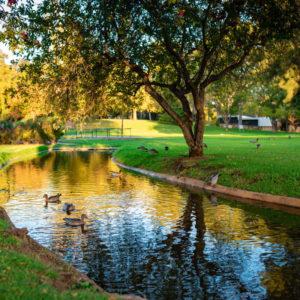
(44, 291)
(112, 298)
(74, 295)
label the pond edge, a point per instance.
(281, 200)
(54, 149)
(244, 194)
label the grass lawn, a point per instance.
(274, 168)
(8, 152)
(139, 128)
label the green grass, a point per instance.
(273, 169)
(24, 277)
(8, 152)
(139, 128)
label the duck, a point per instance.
(68, 207)
(152, 151)
(142, 148)
(116, 174)
(271, 138)
(75, 221)
(52, 199)
(166, 148)
(204, 145)
(258, 146)
(214, 179)
(254, 141)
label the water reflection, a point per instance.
(148, 237)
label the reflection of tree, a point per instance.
(177, 252)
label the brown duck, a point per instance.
(116, 174)
(52, 199)
(75, 221)
(152, 151)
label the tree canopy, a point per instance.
(182, 46)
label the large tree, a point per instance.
(194, 43)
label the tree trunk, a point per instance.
(292, 122)
(193, 113)
(134, 114)
(194, 139)
(122, 123)
(150, 116)
(208, 120)
(273, 125)
(226, 121)
(286, 125)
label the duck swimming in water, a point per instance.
(52, 199)
(68, 207)
(75, 221)
(116, 174)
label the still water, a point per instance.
(148, 237)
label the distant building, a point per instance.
(259, 123)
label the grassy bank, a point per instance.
(8, 152)
(24, 276)
(273, 169)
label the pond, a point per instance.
(148, 237)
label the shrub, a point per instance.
(37, 131)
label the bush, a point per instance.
(164, 118)
(37, 131)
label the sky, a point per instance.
(5, 49)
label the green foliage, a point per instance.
(37, 131)
(165, 118)
(8, 80)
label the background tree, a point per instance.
(8, 81)
(271, 101)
